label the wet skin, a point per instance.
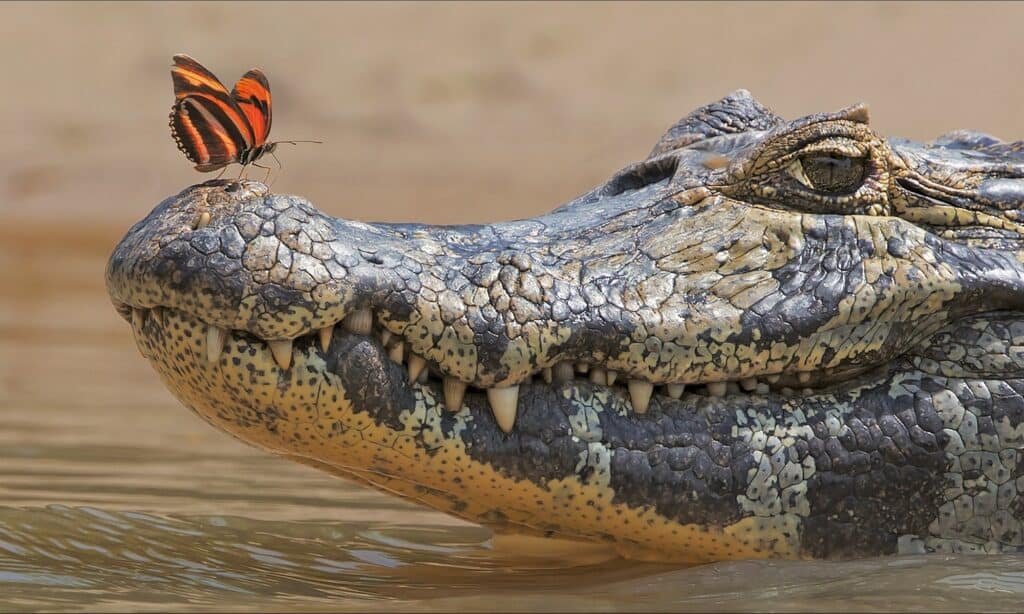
(769, 338)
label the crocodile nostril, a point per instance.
(375, 260)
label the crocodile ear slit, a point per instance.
(640, 175)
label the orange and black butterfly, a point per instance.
(214, 127)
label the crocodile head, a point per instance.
(769, 338)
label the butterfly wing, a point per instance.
(206, 122)
(252, 95)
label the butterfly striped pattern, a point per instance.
(214, 127)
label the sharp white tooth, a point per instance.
(611, 376)
(772, 379)
(158, 315)
(597, 376)
(803, 377)
(504, 402)
(215, 337)
(385, 336)
(563, 372)
(204, 220)
(548, 375)
(716, 389)
(397, 352)
(282, 351)
(359, 322)
(676, 390)
(748, 383)
(416, 366)
(640, 393)
(138, 317)
(424, 376)
(582, 367)
(454, 391)
(325, 334)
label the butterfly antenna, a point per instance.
(295, 142)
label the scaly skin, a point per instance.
(745, 258)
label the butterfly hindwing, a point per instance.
(206, 121)
(252, 95)
(201, 136)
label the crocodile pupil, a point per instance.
(834, 174)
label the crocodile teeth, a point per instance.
(598, 376)
(748, 384)
(640, 393)
(325, 334)
(503, 403)
(582, 367)
(611, 376)
(803, 377)
(563, 372)
(454, 391)
(416, 366)
(215, 337)
(676, 390)
(138, 317)
(717, 389)
(548, 375)
(359, 321)
(203, 220)
(282, 351)
(385, 336)
(397, 352)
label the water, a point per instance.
(113, 497)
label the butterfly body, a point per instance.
(214, 127)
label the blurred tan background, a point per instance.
(442, 113)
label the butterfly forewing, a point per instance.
(207, 122)
(252, 94)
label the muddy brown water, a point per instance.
(113, 497)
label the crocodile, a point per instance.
(768, 338)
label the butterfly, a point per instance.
(214, 127)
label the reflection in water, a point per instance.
(113, 497)
(85, 557)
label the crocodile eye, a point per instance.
(829, 174)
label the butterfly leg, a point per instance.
(266, 168)
(221, 173)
